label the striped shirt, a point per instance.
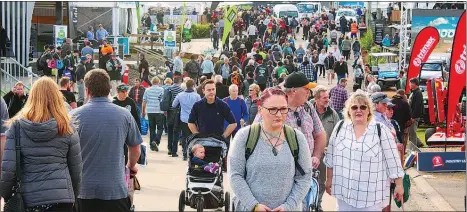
(153, 96)
(174, 90)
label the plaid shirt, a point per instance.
(338, 96)
(308, 70)
(361, 168)
(137, 94)
(310, 126)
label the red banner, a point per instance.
(457, 72)
(425, 42)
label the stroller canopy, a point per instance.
(207, 141)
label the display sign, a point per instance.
(456, 75)
(228, 22)
(445, 21)
(424, 44)
(60, 34)
(125, 42)
(169, 39)
(379, 33)
(441, 161)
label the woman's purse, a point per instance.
(16, 202)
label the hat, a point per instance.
(391, 105)
(83, 58)
(122, 87)
(380, 97)
(297, 80)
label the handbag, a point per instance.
(136, 184)
(16, 202)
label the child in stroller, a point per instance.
(198, 162)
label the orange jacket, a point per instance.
(106, 50)
(354, 28)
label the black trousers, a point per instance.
(60, 207)
(98, 205)
(185, 133)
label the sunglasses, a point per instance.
(274, 110)
(297, 117)
(356, 107)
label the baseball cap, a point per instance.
(380, 97)
(297, 80)
(122, 87)
(83, 58)
(391, 105)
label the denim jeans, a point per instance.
(185, 133)
(339, 77)
(138, 107)
(156, 126)
(81, 93)
(172, 136)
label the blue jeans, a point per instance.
(155, 126)
(274, 35)
(138, 108)
(339, 77)
(343, 29)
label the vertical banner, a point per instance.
(425, 42)
(60, 34)
(229, 19)
(456, 73)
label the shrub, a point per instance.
(367, 40)
(200, 31)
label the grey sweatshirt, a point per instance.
(270, 180)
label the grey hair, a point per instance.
(287, 90)
(232, 87)
(319, 91)
(251, 62)
(208, 57)
(374, 88)
(218, 78)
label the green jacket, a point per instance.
(329, 120)
(402, 83)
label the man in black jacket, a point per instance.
(341, 69)
(343, 24)
(416, 108)
(193, 69)
(222, 90)
(402, 113)
(15, 99)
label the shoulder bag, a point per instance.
(16, 202)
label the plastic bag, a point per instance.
(144, 126)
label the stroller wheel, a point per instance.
(181, 202)
(227, 201)
(199, 205)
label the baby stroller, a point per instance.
(311, 199)
(205, 190)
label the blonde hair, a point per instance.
(168, 81)
(362, 98)
(155, 80)
(45, 102)
(196, 147)
(256, 88)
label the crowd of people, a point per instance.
(80, 149)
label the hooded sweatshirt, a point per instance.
(51, 164)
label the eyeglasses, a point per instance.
(251, 90)
(356, 107)
(297, 117)
(274, 110)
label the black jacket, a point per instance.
(341, 69)
(402, 112)
(14, 102)
(222, 91)
(80, 72)
(416, 103)
(329, 62)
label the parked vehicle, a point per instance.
(387, 74)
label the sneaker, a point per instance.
(185, 158)
(156, 147)
(175, 155)
(152, 146)
(169, 153)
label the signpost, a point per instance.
(379, 33)
(60, 34)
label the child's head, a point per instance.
(198, 151)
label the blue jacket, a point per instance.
(386, 42)
(239, 109)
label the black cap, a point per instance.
(123, 87)
(297, 80)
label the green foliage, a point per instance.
(200, 31)
(367, 40)
(375, 49)
(381, 60)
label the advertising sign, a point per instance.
(456, 73)
(379, 33)
(60, 34)
(440, 161)
(445, 21)
(228, 22)
(424, 44)
(169, 39)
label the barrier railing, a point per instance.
(12, 72)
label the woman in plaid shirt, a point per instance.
(360, 160)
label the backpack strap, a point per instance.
(291, 137)
(253, 136)
(378, 128)
(339, 126)
(225, 99)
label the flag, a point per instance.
(229, 18)
(456, 73)
(426, 41)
